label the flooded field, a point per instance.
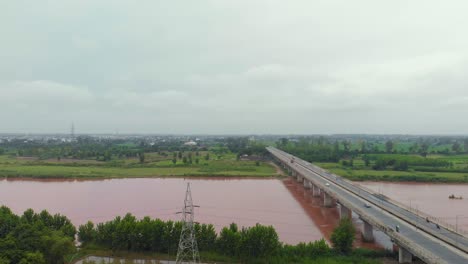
(222, 201)
(432, 199)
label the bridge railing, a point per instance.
(417, 250)
(451, 227)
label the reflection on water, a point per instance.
(326, 219)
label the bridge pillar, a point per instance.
(315, 190)
(404, 256)
(299, 178)
(367, 234)
(344, 212)
(327, 200)
(306, 183)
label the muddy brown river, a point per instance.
(222, 201)
(284, 204)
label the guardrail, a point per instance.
(451, 228)
(420, 252)
(433, 219)
(453, 242)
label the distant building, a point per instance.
(190, 143)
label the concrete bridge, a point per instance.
(417, 234)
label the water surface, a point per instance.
(222, 201)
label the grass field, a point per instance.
(155, 165)
(456, 172)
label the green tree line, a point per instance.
(41, 238)
(35, 238)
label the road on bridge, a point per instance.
(423, 239)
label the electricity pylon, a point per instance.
(188, 249)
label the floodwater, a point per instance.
(222, 201)
(432, 199)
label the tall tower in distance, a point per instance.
(72, 130)
(188, 249)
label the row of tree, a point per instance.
(35, 238)
(41, 238)
(322, 149)
(155, 235)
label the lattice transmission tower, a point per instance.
(188, 249)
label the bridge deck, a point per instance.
(422, 239)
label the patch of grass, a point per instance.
(458, 173)
(155, 167)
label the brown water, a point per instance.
(222, 201)
(429, 198)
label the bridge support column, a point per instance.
(344, 212)
(315, 190)
(367, 234)
(404, 256)
(299, 178)
(306, 183)
(327, 200)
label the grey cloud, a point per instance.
(234, 66)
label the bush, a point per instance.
(343, 236)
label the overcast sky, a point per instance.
(300, 67)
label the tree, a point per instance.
(364, 147)
(197, 160)
(207, 156)
(32, 258)
(141, 155)
(259, 241)
(86, 232)
(174, 161)
(366, 160)
(343, 236)
(456, 147)
(229, 240)
(389, 146)
(346, 146)
(283, 142)
(423, 149)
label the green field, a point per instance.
(155, 165)
(456, 171)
